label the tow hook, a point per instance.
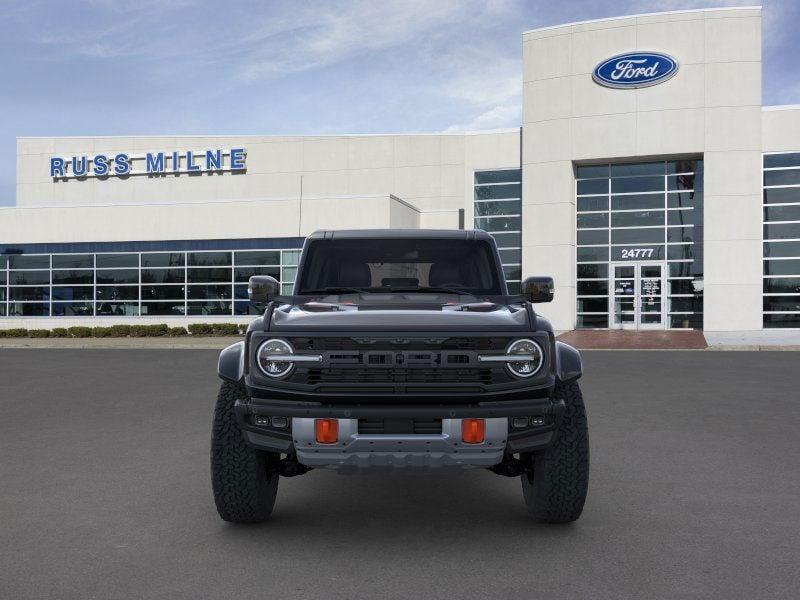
(510, 467)
(289, 467)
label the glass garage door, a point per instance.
(640, 214)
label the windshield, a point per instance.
(424, 265)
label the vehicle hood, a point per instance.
(400, 312)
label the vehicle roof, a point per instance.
(449, 234)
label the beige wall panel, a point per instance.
(733, 39)
(781, 130)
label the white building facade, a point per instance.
(656, 190)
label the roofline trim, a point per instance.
(781, 107)
(652, 14)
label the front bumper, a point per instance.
(362, 451)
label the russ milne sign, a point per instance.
(151, 163)
(635, 70)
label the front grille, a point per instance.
(365, 344)
(427, 375)
(400, 426)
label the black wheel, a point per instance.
(243, 481)
(555, 489)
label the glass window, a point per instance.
(593, 220)
(639, 218)
(500, 224)
(498, 207)
(694, 321)
(782, 195)
(591, 171)
(118, 276)
(684, 166)
(220, 275)
(782, 160)
(163, 275)
(680, 234)
(248, 308)
(73, 292)
(117, 309)
(637, 236)
(245, 273)
(592, 254)
(684, 217)
(593, 203)
(115, 261)
(29, 277)
(681, 182)
(782, 213)
(28, 309)
(592, 236)
(597, 305)
(209, 292)
(162, 292)
(623, 170)
(257, 257)
(593, 288)
(782, 267)
(782, 320)
(489, 192)
(788, 177)
(683, 286)
(209, 308)
(597, 271)
(3, 262)
(29, 293)
(119, 292)
(26, 261)
(291, 257)
(73, 309)
(782, 231)
(782, 303)
(73, 261)
(680, 252)
(512, 273)
(682, 269)
(209, 259)
(163, 259)
(637, 202)
(782, 285)
(511, 257)
(83, 276)
(507, 240)
(593, 186)
(593, 321)
(782, 249)
(685, 200)
(499, 176)
(2, 278)
(679, 304)
(624, 185)
(163, 308)
(288, 273)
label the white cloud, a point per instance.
(497, 117)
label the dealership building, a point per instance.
(646, 177)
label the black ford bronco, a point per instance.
(400, 348)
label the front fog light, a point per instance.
(531, 358)
(269, 355)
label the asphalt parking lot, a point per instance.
(105, 493)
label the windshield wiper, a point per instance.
(432, 290)
(333, 290)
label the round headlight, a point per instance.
(274, 368)
(530, 365)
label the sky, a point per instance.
(161, 67)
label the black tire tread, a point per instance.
(556, 490)
(244, 489)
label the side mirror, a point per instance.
(538, 289)
(262, 288)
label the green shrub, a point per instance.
(177, 331)
(16, 332)
(157, 330)
(201, 329)
(120, 330)
(60, 332)
(138, 331)
(2, 333)
(38, 333)
(225, 329)
(80, 332)
(101, 332)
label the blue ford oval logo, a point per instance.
(635, 70)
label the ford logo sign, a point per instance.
(635, 70)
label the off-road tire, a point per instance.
(555, 490)
(244, 484)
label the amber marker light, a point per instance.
(327, 431)
(473, 431)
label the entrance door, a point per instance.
(637, 295)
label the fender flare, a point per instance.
(569, 366)
(230, 366)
